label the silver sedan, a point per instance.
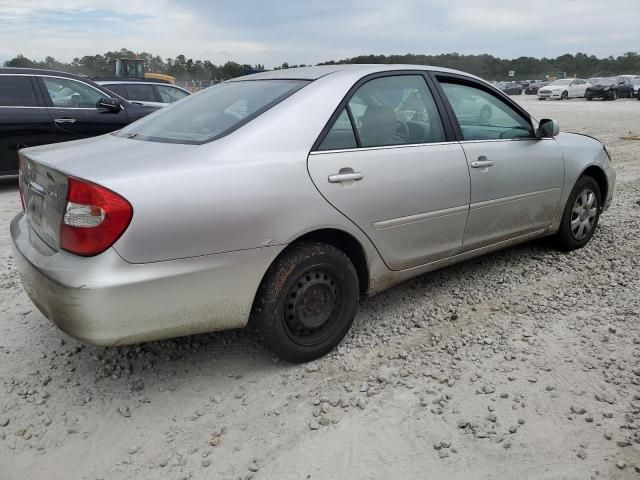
(281, 197)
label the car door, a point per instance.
(516, 178)
(582, 88)
(72, 107)
(387, 163)
(24, 121)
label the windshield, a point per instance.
(605, 81)
(564, 81)
(636, 81)
(211, 113)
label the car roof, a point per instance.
(40, 71)
(318, 71)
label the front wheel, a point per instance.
(564, 96)
(306, 302)
(614, 95)
(581, 214)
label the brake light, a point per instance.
(20, 181)
(94, 218)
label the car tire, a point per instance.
(581, 214)
(543, 99)
(614, 96)
(589, 98)
(307, 302)
(564, 96)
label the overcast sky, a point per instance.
(272, 32)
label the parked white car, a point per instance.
(154, 94)
(564, 89)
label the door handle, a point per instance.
(65, 121)
(345, 177)
(482, 162)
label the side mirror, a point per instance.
(111, 104)
(548, 128)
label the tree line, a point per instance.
(485, 66)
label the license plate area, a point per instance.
(44, 191)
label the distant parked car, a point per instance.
(563, 89)
(283, 196)
(625, 85)
(510, 88)
(636, 86)
(153, 94)
(43, 106)
(606, 88)
(533, 87)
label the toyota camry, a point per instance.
(278, 199)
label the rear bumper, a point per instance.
(104, 300)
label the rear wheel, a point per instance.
(306, 302)
(581, 214)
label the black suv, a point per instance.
(42, 106)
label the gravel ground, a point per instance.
(524, 363)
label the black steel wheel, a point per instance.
(307, 301)
(581, 214)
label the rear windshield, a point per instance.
(211, 113)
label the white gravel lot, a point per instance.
(522, 364)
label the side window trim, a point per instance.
(448, 126)
(437, 77)
(356, 134)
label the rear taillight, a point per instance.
(20, 181)
(94, 218)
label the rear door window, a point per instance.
(396, 110)
(141, 93)
(118, 89)
(340, 135)
(17, 91)
(392, 110)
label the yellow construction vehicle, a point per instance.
(131, 68)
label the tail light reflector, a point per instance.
(94, 218)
